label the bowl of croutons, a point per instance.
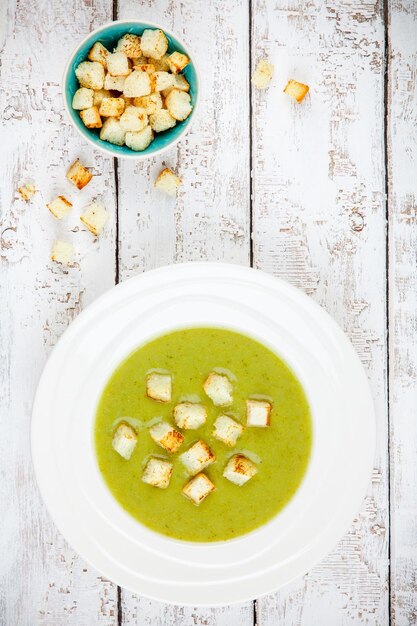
(131, 89)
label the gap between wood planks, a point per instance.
(387, 52)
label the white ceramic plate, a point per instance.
(202, 294)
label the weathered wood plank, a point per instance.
(43, 581)
(319, 221)
(402, 204)
(210, 218)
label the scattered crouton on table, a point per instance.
(95, 217)
(263, 74)
(62, 252)
(79, 175)
(59, 207)
(26, 191)
(168, 182)
(296, 90)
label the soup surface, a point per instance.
(280, 451)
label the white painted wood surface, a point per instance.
(318, 215)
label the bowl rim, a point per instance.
(109, 150)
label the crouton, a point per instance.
(296, 90)
(219, 389)
(79, 175)
(227, 430)
(112, 107)
(141, 140)
(166, 436)
(179, 82)
(62, 252)
(149, 68)
(263, 74)
(198, 488)
(140, 60)
(188, 415)
(129, 44)
(133, 119)
(124, 440)
(157, 473)
(159, 387)
(154, 44)
(95, 217)
(197, 457)
(162, 80)
(179, 104)
(113, 132)
(118, 64)
(161, 64)
(90, 74)
(239, 469)
(83, 99)
(91, 118)
(137, 84)
(258, 413)
(98, 53)
(177, 61)
(99, 95)
(150, 104)
(59, 207)
(161, 120)
(26, 191)
(114, 83)
(168, 182)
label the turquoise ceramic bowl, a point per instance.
(108, 35)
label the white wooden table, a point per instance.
(323, 194)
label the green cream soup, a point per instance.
(281, 451)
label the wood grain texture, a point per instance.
(402, 204)
(319, 222)
(43, 581)
(209, 220)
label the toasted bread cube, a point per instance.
(62, 252)
(168, 182)
(159, 387)
(157, 473)
(154, 44)
(179, 82)
(239, 469)
(189, 416)
(227, 430)
(197, 457)
(177, 61)
(198, 488)
(141, 140)
(95, 217)
(263, 74)
(161, 120)
(99, 95)
(113, 132)
(150, 104)
(91, 118)
(112, 107)
(137, 84)
(114, 83)
(59, 207)
(133, 119)
(98, 53)
(162, 80)
(166, 436)
(90, 74)
(26, 191)
(83, 99)
(129, 44)
(296, 90)
(149, 68)
(219, 389)
(79, 175)
(258, 413)
(161, 65)
(124, 440)
(179, 104)
(118, 64)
